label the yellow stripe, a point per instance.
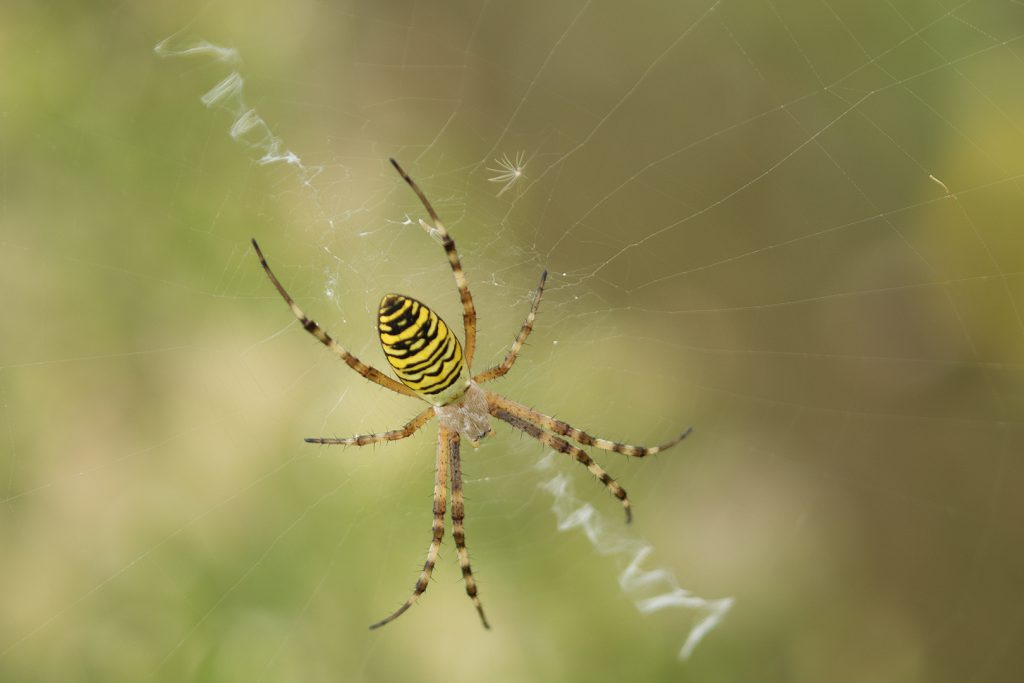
(432, 343)
(409, 332)
(407, 304)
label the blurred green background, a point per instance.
(736, 207)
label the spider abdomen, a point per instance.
(423, 351)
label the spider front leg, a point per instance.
(444, 439)
(408, 430)
(563, 446)
(459, 530)
(578, 435)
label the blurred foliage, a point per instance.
(737, 210)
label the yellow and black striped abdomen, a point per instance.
(425, 354)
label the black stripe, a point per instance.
(447, 382)
(437, 357)
(426, 334)
(448, 346)
(391, 306)
(406, 320)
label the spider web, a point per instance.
(792, 225)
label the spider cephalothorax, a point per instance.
(433, 367)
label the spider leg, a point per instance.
(468, 310)
(578, 435)
(524, 332)
(367, 371)
(408, 430)
(563, 446)
(458, 530)
(444, 439)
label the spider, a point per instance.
(432, 366)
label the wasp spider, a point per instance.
(435, 368)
